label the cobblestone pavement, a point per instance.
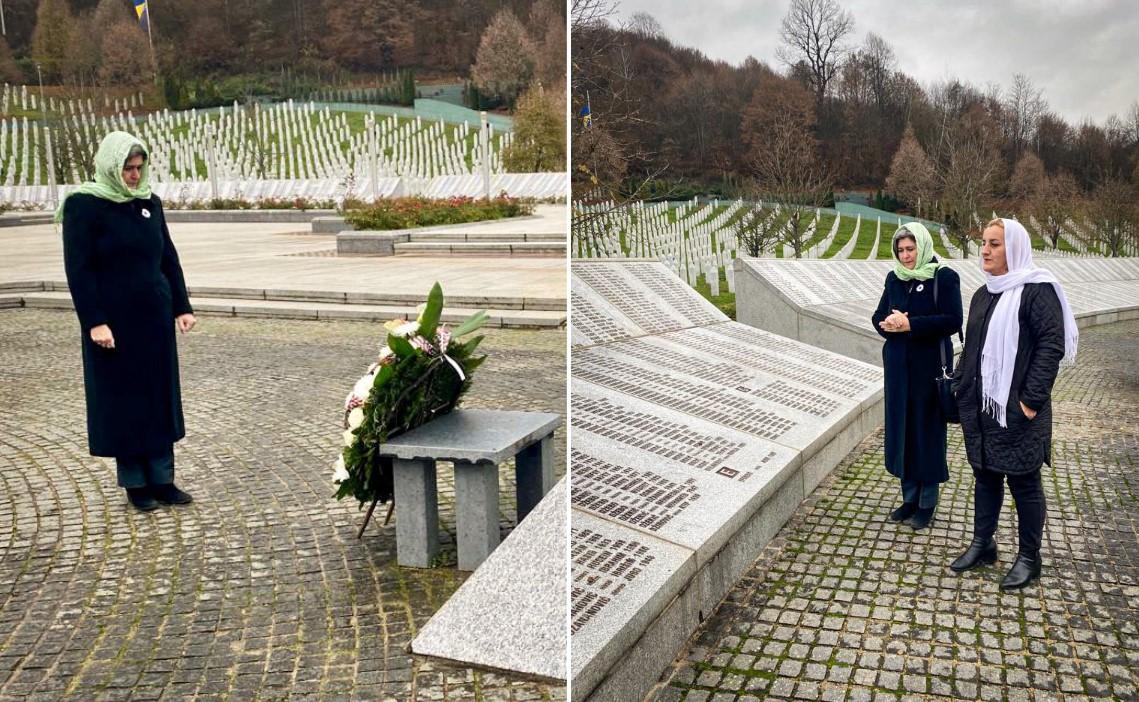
(260, 589)
(846, 605)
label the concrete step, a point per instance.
(487, 237)
(458, 302)
(498, 248)
(280, 309)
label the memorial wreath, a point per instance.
(422, 371)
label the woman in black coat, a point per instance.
(1020, 328)
(917, 331)
(129, 294)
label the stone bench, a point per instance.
(476, 441)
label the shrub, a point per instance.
(407, 212)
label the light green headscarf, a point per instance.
(109, 162)
(924, 267)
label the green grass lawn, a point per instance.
(725, 301)
(842, 237)
(866, 237)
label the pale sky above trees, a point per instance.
(1082, 53)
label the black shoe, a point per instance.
(141, 499)
(904, 512)
(1024, 570)
(169, 494)
(980, 552)
(921, 518)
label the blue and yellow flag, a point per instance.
(586, 115)
(143, 14)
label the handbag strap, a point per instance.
(941, 344)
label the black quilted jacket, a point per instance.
(1025, 444)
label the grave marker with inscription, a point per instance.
(695, 438)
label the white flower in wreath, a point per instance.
(364, 386)
(403, 329)
(349, 437)
(386, 356)
(355, 418)
(340, 471)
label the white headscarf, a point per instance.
(999, 355)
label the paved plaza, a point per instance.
(260, 589)
(845, 605)
(288, 256)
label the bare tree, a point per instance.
(1057, 200)
(603, 149)
(1027, 178)
(1116, 216)
(1133, 123)
(1023, 108)
(968, 176)
(789, 173)
(645, 25)
(758, 229)
(879, 62)
(815, 32)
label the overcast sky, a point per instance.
(1084, 54)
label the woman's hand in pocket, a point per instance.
(1029, 413)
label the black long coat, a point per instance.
(1025, 444)
(123, 271)
(915, 430)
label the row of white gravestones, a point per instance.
(19, 96)
(823, 246)
(848, 248)
(19, 158)
(295, 142)
(537, 185)
(954, 252)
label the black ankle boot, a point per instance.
(921, 518)
(169, 494)
(980, 552)
(904, 512)
(1024, 570)
(141, 499)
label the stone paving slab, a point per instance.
(260, 589)
(846, 605)
(281, 309)
(829, 303)
(261, 256)
(510, 615)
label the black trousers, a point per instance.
(1027, 494)
(141, 471)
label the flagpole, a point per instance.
(149, 35)
(150, 40)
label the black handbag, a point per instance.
(946, 383)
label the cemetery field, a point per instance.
(281, 141)
(698, 241)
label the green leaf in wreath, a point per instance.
(401, 346)
(471, 364)
(430, 317)
(382, 375)
(472, 323)
(470, 346)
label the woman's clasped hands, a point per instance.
(896, 322)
